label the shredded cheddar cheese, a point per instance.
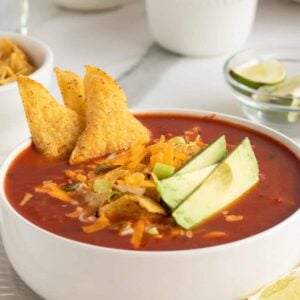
(233, 218)
(25, 199)
(100, 224)
(214, 234)
(120, 189)
(56, 192)
(76, 213)
(138, 233)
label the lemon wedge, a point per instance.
(286, 288)
(268, 72)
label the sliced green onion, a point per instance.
(70, 187)
(100, 168)
(178, 140)
(101, 186)
(163, 171)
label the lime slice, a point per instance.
(269, 72)
(286, 288)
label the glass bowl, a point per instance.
(275, 113)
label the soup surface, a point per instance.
(276, 197)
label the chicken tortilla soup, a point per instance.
(98, 174)
(65, 199)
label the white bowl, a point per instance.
(201, 27)
(58, 268)
(89, 5)
(11, 109)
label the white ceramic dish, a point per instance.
(201, 28)
(58, 268)
(11, 109)
(90, 5)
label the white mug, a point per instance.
(201, 27)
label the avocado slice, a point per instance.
(233, 177)
(175, 189)
(208, 156)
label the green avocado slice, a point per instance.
(208, 156)
(175, 189)
(233, 177)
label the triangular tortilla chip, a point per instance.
(54, 128)
(123, 209)
(110, 125)
(72, 90)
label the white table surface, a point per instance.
(119, 42)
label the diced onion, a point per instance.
(133, 190)
(111, 156)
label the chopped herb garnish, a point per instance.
(70, 187)
(101, 168)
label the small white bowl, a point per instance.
(11, 109)
(58, 268)
(42, 58)
(201, 27)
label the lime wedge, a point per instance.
(293, 116)
(269, 72)
(286, 288)
(289, 89)
(285, 88)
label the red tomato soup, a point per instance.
(276, 196)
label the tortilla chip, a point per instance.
(122, 209)
(110, 125)
(149, 204)
(13, 61)
(72, 90)
(54, 128)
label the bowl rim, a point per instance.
(237, 86)
(269, 132)
(48, 60)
